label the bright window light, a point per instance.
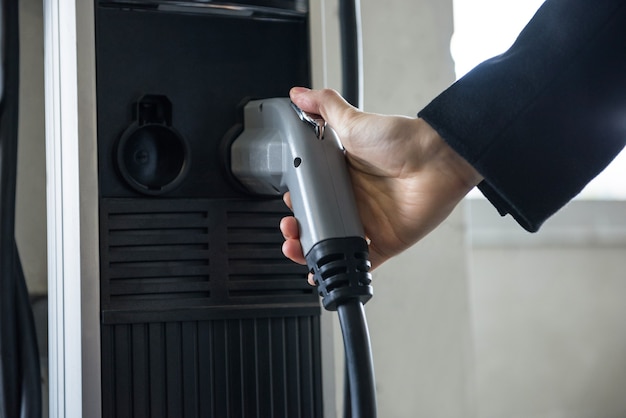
(485, 28)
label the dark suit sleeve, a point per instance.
(544, 118)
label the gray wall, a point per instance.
(419, 317)
(30, 228)
(548, 313)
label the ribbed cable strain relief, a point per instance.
(340, 267)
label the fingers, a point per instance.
(291, 232)
(291, 247)
(287, 200)
(327, 103)
(289, 228)
(293, 251)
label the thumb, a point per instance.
(327, 103)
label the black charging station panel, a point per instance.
(202, 316)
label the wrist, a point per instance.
(447, 161)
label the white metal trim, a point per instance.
(63, 208)
(72, 209)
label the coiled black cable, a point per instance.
(20, 378)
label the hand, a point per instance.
(406, 179)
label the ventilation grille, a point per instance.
(164, 255)
(258, 272)
(156, 256)
(253, 368)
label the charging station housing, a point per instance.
(201, 315)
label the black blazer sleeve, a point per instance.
(544, 118)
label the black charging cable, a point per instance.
(20, 378)
(351, 51)
(359, 385)
(341, 272)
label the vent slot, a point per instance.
(157, 256)
(257, 266)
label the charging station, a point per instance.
(201, 314)
(181, 302)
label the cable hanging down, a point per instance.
(359, 385)
(341, 272)
(20, 379)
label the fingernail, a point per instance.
(299, 90)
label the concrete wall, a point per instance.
(30, 228)
(548, 313)
(419, 317)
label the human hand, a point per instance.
(406, 179)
